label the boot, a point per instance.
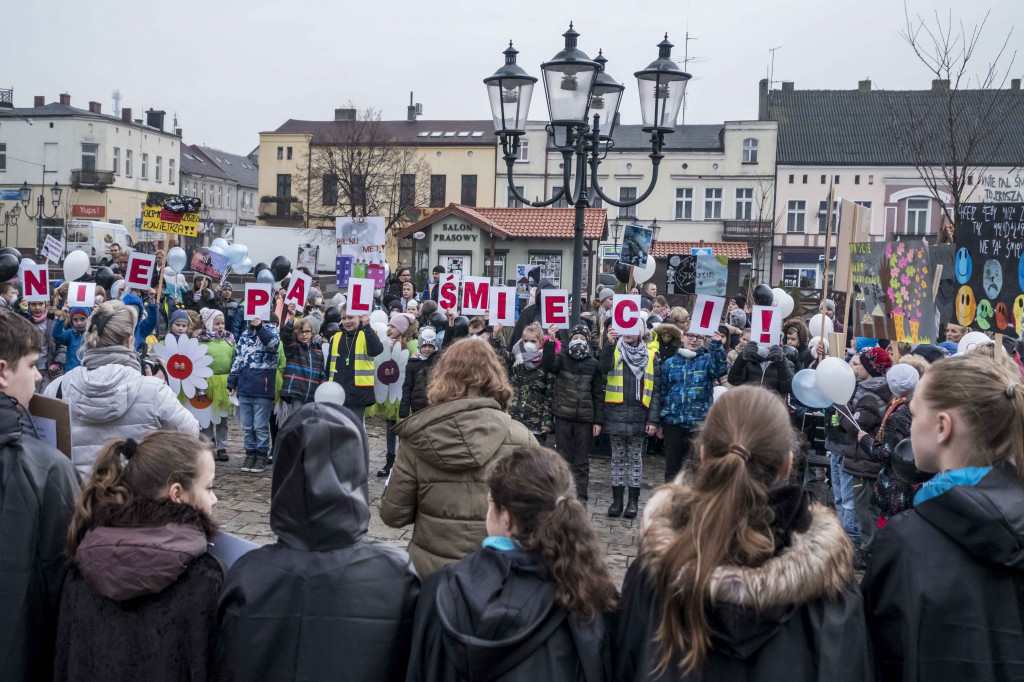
(634, 500)
(261, 463)
(250, 459)
(222, 456)
(616, 508)
(386, 469)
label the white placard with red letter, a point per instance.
(257, 301)
(360, 296)
(626, 315)
(140, 270)
(475, 295)
(502, 304)
(81, 294)
(448, 295)
(554, 308)
(298, 289)
(37, 283)
(707, 315)
(766, 325)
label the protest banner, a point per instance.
(36, 279)
(448, 294)
(710, 275)
(766, 325)
(523, 281)
(52, 419)
(362, 239)
(257, 301)
(299, 284)
(707, 315)
(140, 270)
(989, 266)
(681, 276)
(554, 308)
(209, 263)
(53, 249)
(626, 318)
(909, 289)
(171, 213)
(81, 294)
(636, 245)
(502, 306)
(360, 296)
(869, 303)
(475, 295)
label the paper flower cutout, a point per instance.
(187, 364)
(389, 370)
(201, 408)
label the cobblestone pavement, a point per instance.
(243, 500)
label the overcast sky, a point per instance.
(232, 68)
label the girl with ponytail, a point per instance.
(140, 596)
(741, 576)
(945, 587)
(531, 605)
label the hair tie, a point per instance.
(560, 498)
(98, 323)
(1011, 389)
(128, 449)
(740, 450)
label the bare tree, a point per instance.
(761, 231)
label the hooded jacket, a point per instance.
(688, 385)
(797, 616)
(71, 340)
(751, 368)
(630, 417)
(304, 370)
(417, 380)
(944, 589)
(578, 391)
(345, 375)
(868, 406)
(324, 602)
(493, 616)
(438, 478)
(38, 488)
(140, 602)
(254, 368)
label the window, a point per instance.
(917, 216)
(329, 190)
(805, 179)
(228, 193)
(220, 196)
(284, 191)
(796, 216)
(89, 152)
(744, 203)
(791, 177)
(836, 178)
(627, 194)
(357, 191)
(437, 187)
(468, 190)
(159, 163)
(407, 192)
(128, 163)
(289, 153)
(970, 179)
(523, 154)
(684, 203)
(865, 204)
(790, 276)
(823, 216)
(750, 150)
(145, 165)
(116, 158)
(171, 177)
(823, 179)
(856, 179)
(561, 203)
(512, 202)
(498, 274)
(280, 153)
(713, 203)
(550, 266)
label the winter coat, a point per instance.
(646, 301)
(325, 601)
(116, 401)
(688, 385)
(868, 405)
(438, 477)
(229, 307)
(358, 396)
(38, 487)
(72, 342)
(532, 391)
(430, 290)
(493, 616)
(140, 601)
(797, 616)
(207, 299)
(892, 493)
(598, 332)
(147, 316)
(578, 391)
(751, 368)
(944, 589)
(52, 352)
(417, 381)
(304, 370)
(254, 369)
(630, 417)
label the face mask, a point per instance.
(578, 349)
(762, 350)
(529, 346)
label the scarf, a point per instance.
(94, 358)
(531, 359)
(38, 320)
(635, 358)
(222, 335)
(892, 408)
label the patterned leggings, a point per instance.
(627, 451)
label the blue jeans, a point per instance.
(391, 438)
(254, 413)
(842, 490)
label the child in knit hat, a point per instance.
(220, 345)
(72, 338)
(179, 323)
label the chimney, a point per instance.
(177, 131)
(864, 85)
(40, 101)
(787, 86)
(155, 119)
(126, 114)
(95, 108)
(762, 100)
(1015, 84)
(344, 114)
(940, 85)
(65, 99)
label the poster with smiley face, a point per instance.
(989, 267)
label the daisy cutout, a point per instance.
(389, 368)
(201, 408)
(187, 364)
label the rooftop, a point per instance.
(238, 168)
(419, 133)
(56, 109)
(731, 250)
(519, 223)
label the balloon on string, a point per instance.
(972, 340)
(177, 258)
(104, 277)
(76, 264)
(644, 273)
(805, 388)
(219, 250)
(623, 271)
(332, 314)
(9, 266)
(265, 277)
(763, 294)
(330, 393)
(835, 380)
(261, 266)
(242, 268)
(819, 325)
(10, 250)
(812, 345)
(783, 301)
(378, 317)
(220, 243)
(380, 328)
(27, 263)
(115, 289)
(905, 466)
(281, 267)
(236, 253)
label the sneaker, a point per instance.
(250, 459)
(222, 456)
(260, 465)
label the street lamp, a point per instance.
(41, 212)
(576, 88)
(655, 231)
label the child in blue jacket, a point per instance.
(253, 379)
(72, 338)
(304, 369)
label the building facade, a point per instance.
(226, 184)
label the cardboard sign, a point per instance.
(360, 296)
(37, 283)
(209, 263)
(626, 315)
(140, 270)
(448, 296)
(257, 301)
(171, 213)
(53, 249)
(81, 295)
(707, 315)
(988, 265)
(502, 304)
(344, 268)
(52, 419)
(475, 295)
(554, 308)
(299, 284)
(766, 325)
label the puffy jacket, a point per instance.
(493, 616)
(944, 589)
(53, 353)
(532, 390)
(230, 308)
(751, 368)
(892, 493)
(116, 401)
(72, 342)
(578, 392)
(868, 405)
(417, 380)
(147, 317)
(688, 384)
(360, 396)
(38, 487)
(325, 601)
(304, 370)
(254, 369)
(438, 477)
(630, 417)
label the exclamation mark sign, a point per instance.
(766, 326)
(705, 317)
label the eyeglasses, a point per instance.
(694, 337)
(405, 274)
(305, 332)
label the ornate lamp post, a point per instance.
(576, 87)
(41, 212)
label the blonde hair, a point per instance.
(469, 364)
(536, 330)
(680, 315)
(110, 324)
(915, 361)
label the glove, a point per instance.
(519, 360)
(750, 351)
(835, 419)
(198, 296)
(775, 354)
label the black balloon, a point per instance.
(332, 314)
(256, 269)
(606, 279)
(12, 251)
(623, 271)
(905, 467)
(330, 328)
(281, 267)
(104, 277)
(438, 321)
(9, 267)
(460, 321)
(763, 295)
(653, 320)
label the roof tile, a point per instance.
(518, 223)
(732, 250)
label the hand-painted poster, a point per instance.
(636, 244)
(941, 263)
(680, 278)
(869, 307)
(909, 289)
(989, 266)
(711, 274)
(360, 244)
(523, 281)
(171, 213)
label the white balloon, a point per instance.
(76, 264)
(242, 268)
(379, 317)
(719, 392)
(380, 328)
(176, 258)
(27, 262)
(330, 392)
(220, 243)
(115, 289)
(972, 340)
(217, 249)
(783, 301)
(812, 345)
(817, 323)
(835, 379)
(237, 253)
(644, 273)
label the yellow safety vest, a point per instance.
(364, 363)
(613, 386)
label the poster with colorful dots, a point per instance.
(908, 286)
(989, 267)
